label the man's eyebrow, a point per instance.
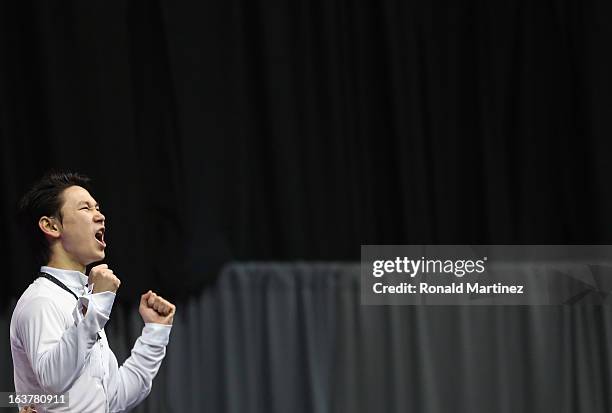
(87, 203)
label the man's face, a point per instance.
(82, 235)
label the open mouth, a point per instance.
(100, 236)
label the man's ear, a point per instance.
(49, 226)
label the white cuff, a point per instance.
(99, 306)
(102, 302)
(156, 334)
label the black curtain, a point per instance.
(236, 130)
(280, 131)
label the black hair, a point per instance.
(45, 199)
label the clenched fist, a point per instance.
(103, 279)
(154, 309)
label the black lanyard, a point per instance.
(61, 285)
(58, 283)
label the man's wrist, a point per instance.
(156, 334)
(102, 301)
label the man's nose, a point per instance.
(99, 217)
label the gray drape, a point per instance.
(294, 338)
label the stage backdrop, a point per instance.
(274, 130)
(287, 130)
(277, 338)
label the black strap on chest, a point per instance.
(57, 282)
(63, 286)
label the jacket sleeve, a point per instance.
(133, 380)
(57, 354)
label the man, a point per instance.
(57, 328)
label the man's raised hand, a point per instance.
(154, 309)
(103, 279)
